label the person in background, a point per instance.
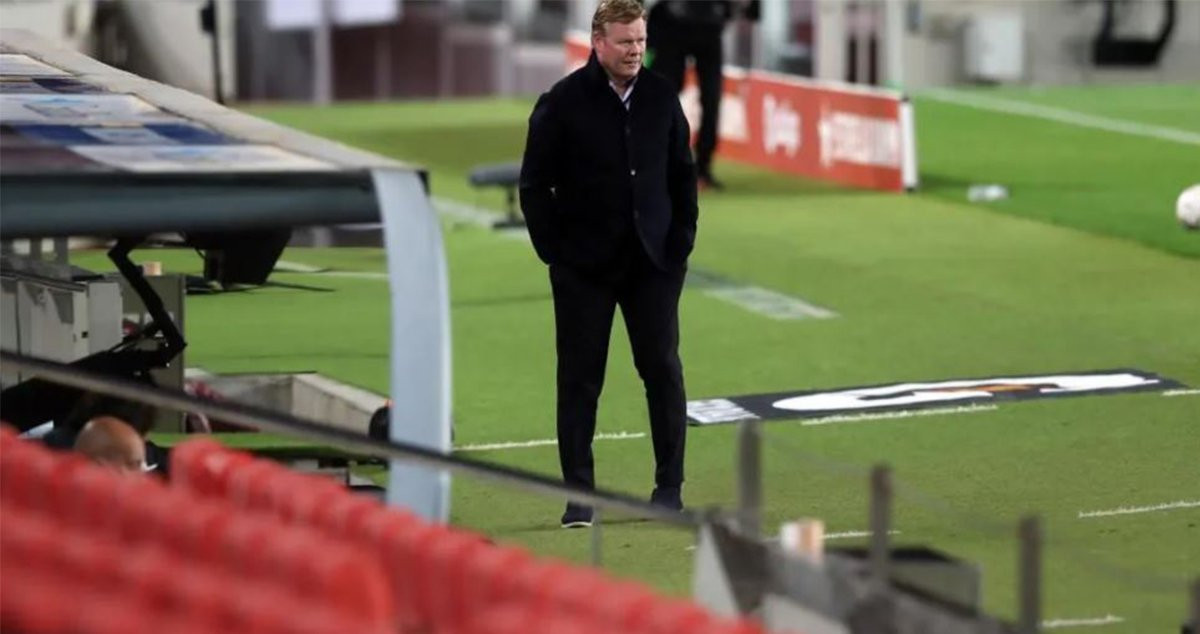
(379, 427)
(679, 29)
(113, 443)
(608, 189)
(137, 417)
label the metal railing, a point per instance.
(271, 421)
(746, 519)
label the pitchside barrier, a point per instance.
(282, 538)
(223, 509)
(238, 543)
(853, 135)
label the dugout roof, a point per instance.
(86, 149)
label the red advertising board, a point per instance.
(857, 136)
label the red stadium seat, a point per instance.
(205, 466)
(442, 568)
(24, 469)
(629, 606)
(491, 574)
(379, 566)
(524, 618)
(247, 484)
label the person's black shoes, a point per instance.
(577, 516)
(667, 497)
(708, 182)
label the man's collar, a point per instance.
(623, 91)
(595, 71)
(598, 75)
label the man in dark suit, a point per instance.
(608, 188)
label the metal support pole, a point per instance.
(62, 251)
(1029, 575)
(881, 523)
(322, 51)
(1195, 621)
(749, 470)
(596, 538)
(383, 64)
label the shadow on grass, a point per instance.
(551, 524)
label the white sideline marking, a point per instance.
(752, 298)
(1181, 393)
(466, 213)
(621, 435)
(909, 413)
(828, 536)
(1107, 619)
(769, 303)
(1063, 115)
(284, 266)
(1128, 510)
(362, 275)
(850, 534)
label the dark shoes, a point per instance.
(667, 497)
(706, 182)
(577, 516)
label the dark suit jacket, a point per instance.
(596, 177)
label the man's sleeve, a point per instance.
(540, 175)
(681, 174)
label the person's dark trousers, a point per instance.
(584, 306)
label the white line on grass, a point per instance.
(362, 275)
(285, 266)
(625, 435)
(769, 303)
(828, 536)
(466, 213)
(1107, 619)
(1063, 115)
(621, 435)
(358, 275)
(1129, 510)
(852, 534)
(1181, 393)
(913, 413)
(752, 298)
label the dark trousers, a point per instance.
(583, 314)
(673, 42)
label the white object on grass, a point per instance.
(1187, 207)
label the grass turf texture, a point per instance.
(928, 287)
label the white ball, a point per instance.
(1187, 208)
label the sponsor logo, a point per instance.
(732, 125)
(781, 126)
(733, 122)
(717, 410)
(689, 100)
(851, 138)
(921, 395)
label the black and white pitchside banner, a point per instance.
(920, 395)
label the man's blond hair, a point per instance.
(610, 11)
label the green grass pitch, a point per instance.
(1082, 268)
